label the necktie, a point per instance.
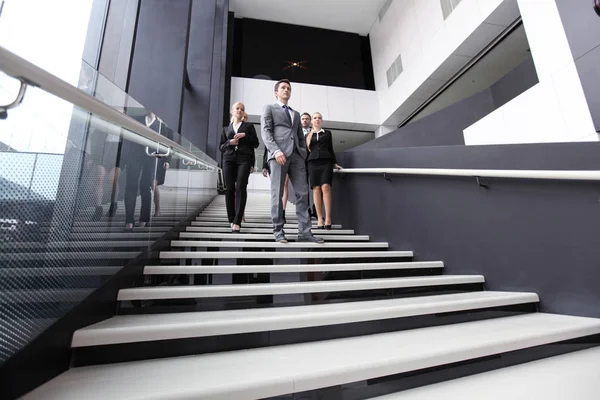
(287, 113)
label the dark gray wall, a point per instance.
(93, 39)
(445, 127)
(157, 70)
(523, 235)
(149, 47)
(442, 128)
(206, 62)
(196, 96)
(118, 41)
(582, 26)
(217, 94)
(514, 83)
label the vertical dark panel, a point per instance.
(238, 45)
(156, 78)
(229, 66)
(588, 67)
(196, 97)
(582, 26)
(93, 39)
(218, 77)
(118, 41)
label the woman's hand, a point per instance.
(240, 135)
(264, 172)
(337, 166)
(166, 165)
(234, 141)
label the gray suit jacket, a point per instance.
(278, 134)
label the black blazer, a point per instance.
(132, 152)
(322, 148)
(246, 145)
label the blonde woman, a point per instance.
(238, 141)
(321, 161)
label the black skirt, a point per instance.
(320, 172)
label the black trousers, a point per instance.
(236, 172)
(139, 175)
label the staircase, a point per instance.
(238, 316)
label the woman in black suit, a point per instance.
(238, 142)
(321, 161)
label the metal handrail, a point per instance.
(21, 69)
(482, 173)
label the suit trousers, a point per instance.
(140, 175)
(295, 168)
(236, 172)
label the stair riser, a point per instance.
(240, 302)
(179, 347)
(225, 278)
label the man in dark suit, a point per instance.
(282, 135)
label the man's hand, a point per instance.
(280, 158)
(265, 172)
(166, 165)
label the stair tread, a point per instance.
(273, 244)
(282, 254)
(270, 268)
(188, 291)
(273, 371)
(263, 236)
(253, 224)
(568, 376)
(138, 328)
(266, 230)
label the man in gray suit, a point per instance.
(283, 138)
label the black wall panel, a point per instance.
(330, 58)
(582, 26)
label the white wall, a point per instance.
(341, 107)
(554, 110)
(434, 49)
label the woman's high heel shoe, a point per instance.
(327, 226)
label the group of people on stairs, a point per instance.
(297, 150)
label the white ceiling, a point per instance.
(356, 16)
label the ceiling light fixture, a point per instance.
(295, 64)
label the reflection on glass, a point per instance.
(63, 189)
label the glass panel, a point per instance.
(69, 183)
